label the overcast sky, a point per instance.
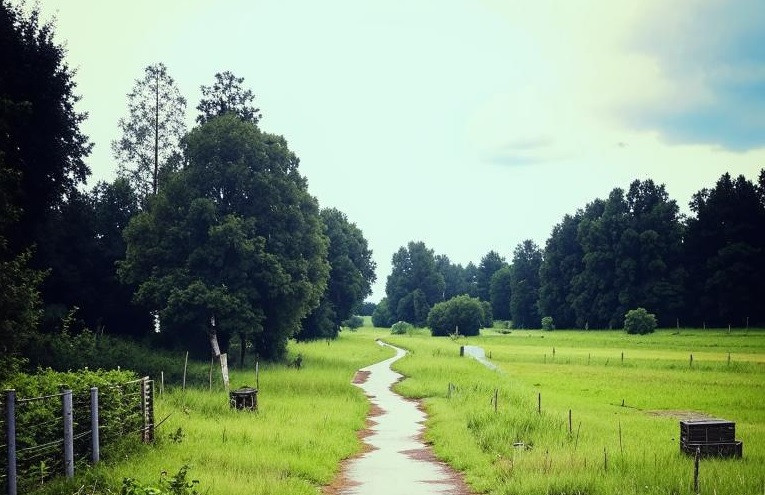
(470, 125)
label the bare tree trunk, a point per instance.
(216, 352)
(156, 137)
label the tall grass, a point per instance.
(305, 425)
(612, 448)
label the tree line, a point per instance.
(207, 234)
(632, 249)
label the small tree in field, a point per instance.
(548, 323)
(639, 321)
(463, 312)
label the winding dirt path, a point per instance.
(396, 460)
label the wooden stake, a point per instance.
(622, 357)
(161, 382)
(605, 460)
(691, 361)
(257, 375)
(696, 470)
(539, 403)
(570, 429)
(212, 360)
(496, 392)
(185, 367)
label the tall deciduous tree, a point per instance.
(500, 291)
(227, 95)
(489, 265)
(351, 276)
(527, 257)
(414, 284)
(724, 247)
(561, 262)
(233, 243)
(152, 131)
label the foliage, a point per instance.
(232, 244)
(382, 316)
(458, 280)
(401, 328)
(490, 264)
(352, 272)
(367, 308)
(524, 281)
(353, 322)
(500, 293)
(151, 134)
(40, 139)
(414, 284)
(617, 253)
(723, 253)
(639, 321)
(225, 96)
(174, 485)
(461, 314)
(548, 323)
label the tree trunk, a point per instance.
(216, 352)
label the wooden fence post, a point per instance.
(66, 406)
(539, 402)
(10, 431)
(185, 366)
(696, 470)
(95, 447)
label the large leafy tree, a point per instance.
(524, 278)
(414, 284)
(233, 243)
(561, 262)
(227, 95)
(463, 314)
(40, 137)
(489, 265)
(724, 247)
(500, 291)
(151, 133)
(351, 276)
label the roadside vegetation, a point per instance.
(306, 424)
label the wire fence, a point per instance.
(48, 435)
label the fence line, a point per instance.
(48, 435)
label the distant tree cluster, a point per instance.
(210, 233)
(630, 250)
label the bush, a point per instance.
(401, 328)
(548, 323)
(639, 321)
(462, 312)
(354, 322)
(382, 317)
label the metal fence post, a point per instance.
(10, 430)
(95, 447)
(66, 399)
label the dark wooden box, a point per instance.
(712, 437)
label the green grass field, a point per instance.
(308, 418)
(306, 424)
(612, 448)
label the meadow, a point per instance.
(624, 426)
(626, 395)
(305, 425)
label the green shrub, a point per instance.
(461, 312)
(382, 317)
(401, 328)
(548, 323)
(353, 322)
(639, 321)
(175, 485)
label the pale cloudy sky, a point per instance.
(470, 125)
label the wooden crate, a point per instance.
(712, 437)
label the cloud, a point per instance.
(711, 62)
